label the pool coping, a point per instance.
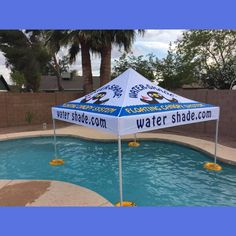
(224, 153)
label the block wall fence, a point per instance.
(17, 108)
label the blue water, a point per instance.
(156, 173)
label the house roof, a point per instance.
(3, 84)
(49, 83)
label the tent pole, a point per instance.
(216, 139)
(135, 138)
(120, 170)
(55, 138)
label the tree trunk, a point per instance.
(58, 74)
(105, 67)
(86, 68)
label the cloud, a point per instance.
(5, 72)
(144, 49)
(152, 44)
(164, 36)
(156, 42)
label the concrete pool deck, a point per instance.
(56, 193)
(47, 193)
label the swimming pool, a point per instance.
(156, 173)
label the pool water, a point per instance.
(156, 173)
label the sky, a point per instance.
(153, 41)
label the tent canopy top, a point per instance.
(131, 103)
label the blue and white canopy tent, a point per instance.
(130, 104)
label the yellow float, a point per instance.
(133, 144)
(125, 204)
(56, 162)
(212, 166)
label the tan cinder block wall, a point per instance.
(225, 99)
(3, 110)
(15, 106)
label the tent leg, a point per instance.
(120, 170)
(54, 137)
(135, 138)
(216, 139)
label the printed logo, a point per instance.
(153, 98)
(96, 99)
(154, 94)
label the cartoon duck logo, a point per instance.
(96, 98)
(155, 96)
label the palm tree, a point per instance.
(81, 40)
(99, 42)
(104, 41)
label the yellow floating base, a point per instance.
(133, 144)
(125, 204)
(56, 162)
(212, 166)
